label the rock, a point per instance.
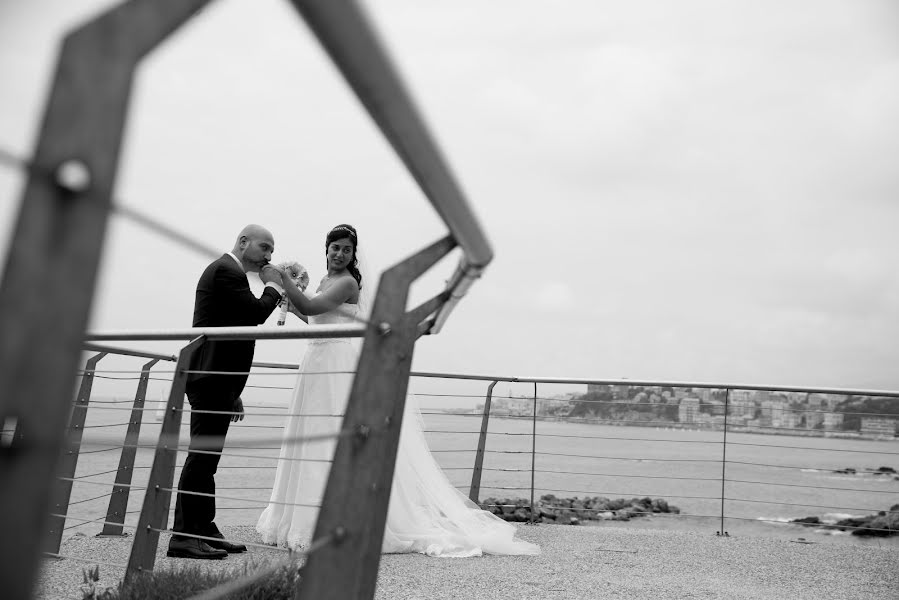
(552, 509)
(546, 513)
(521, 515)
(601, 503)
(884, 471)
(846, 471)
(852, 523)
(807, 521)
(618, 504)
(883, 525)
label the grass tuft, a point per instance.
(189, 580)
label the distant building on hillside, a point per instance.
(833, 421)
(878, 426)
(688, 410)
(713, 407)
(814, 418)
(741, 409)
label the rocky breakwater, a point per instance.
(882, 471)
(883, 524)
(571, 511)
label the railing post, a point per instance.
(154, 514)
(474, 491)
(724, 459)
(533, 454)
(349, 540)
(118, 503)
(62, 487)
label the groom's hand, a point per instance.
(238, 408)
(270, 274)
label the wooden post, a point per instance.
(474, 491)
(363, 465)
(154, 513)
(62, 487)
(118, 503)
(60, 230)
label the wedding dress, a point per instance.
(426, 513)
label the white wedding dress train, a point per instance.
(426, 513)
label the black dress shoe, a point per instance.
(194, 548)
(222, 544)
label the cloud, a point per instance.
(554, 296)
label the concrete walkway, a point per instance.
(576, 562)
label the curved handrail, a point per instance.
(349, 331)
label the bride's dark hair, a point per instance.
(346, 231)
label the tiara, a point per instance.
(349, 230)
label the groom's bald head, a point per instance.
(254, 247)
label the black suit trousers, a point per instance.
(196, 514)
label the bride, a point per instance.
(426, 513)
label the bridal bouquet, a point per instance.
(300, 278)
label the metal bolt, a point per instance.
(339, 533)
(74, 176)
(384, 328)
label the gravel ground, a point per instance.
(576, 562)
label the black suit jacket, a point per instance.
(224, 299)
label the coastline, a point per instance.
(675, 425)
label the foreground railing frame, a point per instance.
(60, 230)
(69, 196)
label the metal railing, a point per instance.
(723, 427)
(557, 448)
(525, 452)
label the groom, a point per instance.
(223, 298)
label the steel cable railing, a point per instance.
(86, 442)
(552, 438)
(252, 502)
(728, 480)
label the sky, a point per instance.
(690, 191)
